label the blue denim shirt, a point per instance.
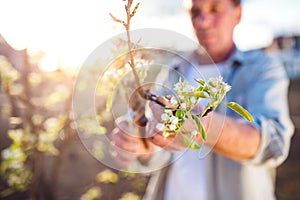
(260, 85)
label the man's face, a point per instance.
(214, 22)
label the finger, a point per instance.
(161, 141)
(151, 129)
(124, 126)
(122, 163)
(128, 136)
(165, 143)
(123, 158)
(165, 101)
(157, 110)
(125, 155)
(171, 143)
(129, 131)
(121, 140)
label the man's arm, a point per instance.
(233, 138)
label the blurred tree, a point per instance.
(42, 157)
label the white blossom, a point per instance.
(191, 88)
(213, 90)
(160, 126)
(193, 100)
(16, 164)
(227, 87)
(174, 120)
(14, 154)
(172, 127)
(46, 137)
(194, 132)
(183, 105)
(181, 97)
(177, 86)
(164, 117)
(6, 153)
(14, 179)
(168, 111)
(174, 101)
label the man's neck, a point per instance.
(215, 57)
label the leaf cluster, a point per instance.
(188, 98)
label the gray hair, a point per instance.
(236, 2)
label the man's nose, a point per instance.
(203, 21)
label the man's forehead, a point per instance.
(197, 3)
(209, 1)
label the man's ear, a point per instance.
(238, 12)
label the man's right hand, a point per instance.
(127, 145)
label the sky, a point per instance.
(69, 30)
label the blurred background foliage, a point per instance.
(42, 156)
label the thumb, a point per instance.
(165, 102)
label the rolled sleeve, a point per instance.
(275, 141)
(267, 100)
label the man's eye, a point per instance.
(215, 9)
(194, 13)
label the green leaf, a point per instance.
(202, 82)
(240, 110)
(200, 94)
(179, 114)
(135, 9)
(189, 142)
(206, 89)
(200, 127)
(189, 116)
(206, 109)
(189, 94)
(199, 88)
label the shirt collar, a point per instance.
(237, 58)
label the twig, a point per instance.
(144, 94)
(131, 49)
